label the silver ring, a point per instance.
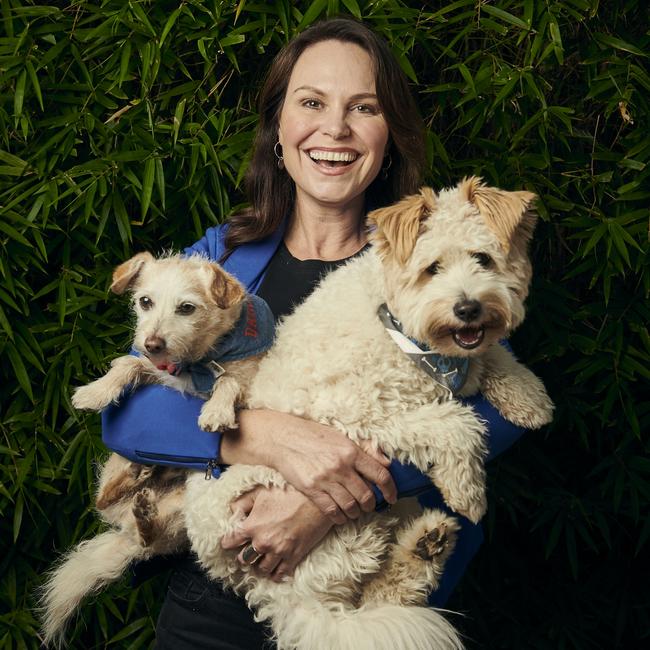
(250, 554)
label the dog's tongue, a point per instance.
(168, 366)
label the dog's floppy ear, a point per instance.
(509, 215)
(226, 290)
(398, 225)
(126, 273)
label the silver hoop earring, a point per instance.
(384, 170)
(280, 158)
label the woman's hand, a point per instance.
(282, 524)
(317, 460)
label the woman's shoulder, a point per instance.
(212, 243)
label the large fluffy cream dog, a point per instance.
(453, 271)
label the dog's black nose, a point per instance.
(155, 344)
(467, 310)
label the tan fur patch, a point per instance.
(509, 215)
(125, 274)
(398, 226)
(226, 290)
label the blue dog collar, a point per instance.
(449, 372)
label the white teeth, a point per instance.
(333, 156)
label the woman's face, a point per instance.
(332, 131)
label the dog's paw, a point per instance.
(145, 511)
(433, 543)
(91, 398)
(144, 506)
(521, 398)
(216, 419)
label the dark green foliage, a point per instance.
(126, 126)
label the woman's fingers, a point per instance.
(362, 493)
(268, 563)
(378, 474)
(327, 505)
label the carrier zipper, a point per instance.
(174, 459)
(212, 464)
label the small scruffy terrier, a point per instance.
(445, 280)
(194, 326)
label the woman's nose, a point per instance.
(336, 124)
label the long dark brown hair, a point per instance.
(270, 190)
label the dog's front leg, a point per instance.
(514, 390)
(107, 389)
(447, 441)
(219, 411)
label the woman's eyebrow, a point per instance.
(317, 91)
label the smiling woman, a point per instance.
(338, 133)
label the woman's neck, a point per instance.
(323, 233)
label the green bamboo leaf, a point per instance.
(556, 38)
(619, 44)
(314, 10)
(616, 236)
(160, 181)
(20, 370)
(142, 17)
(6, 325)
(18, 517)
(33, 77)
(61, 300)
(231, 39)
(19, 95)
(597, 235)
(122, 217)
(170, 23)
(504, 15)
(125, 60)
(353, 7)
(178, 117)
(14, 234)
(506, 91)
(147, 185)
(12, 160)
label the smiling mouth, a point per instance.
(468, 338)
(333, 158)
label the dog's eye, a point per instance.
(186, 308)
(432, 269)
(483, 259)
(145, 303)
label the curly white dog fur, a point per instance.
(453, 269)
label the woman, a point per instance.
(339, 134)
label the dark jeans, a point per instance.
(197, 613)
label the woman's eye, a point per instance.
(145, 303)
(186, 308)
(483, 259)
(432, 269)
(366, 108)
(311, 103)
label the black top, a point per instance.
(288, 281)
